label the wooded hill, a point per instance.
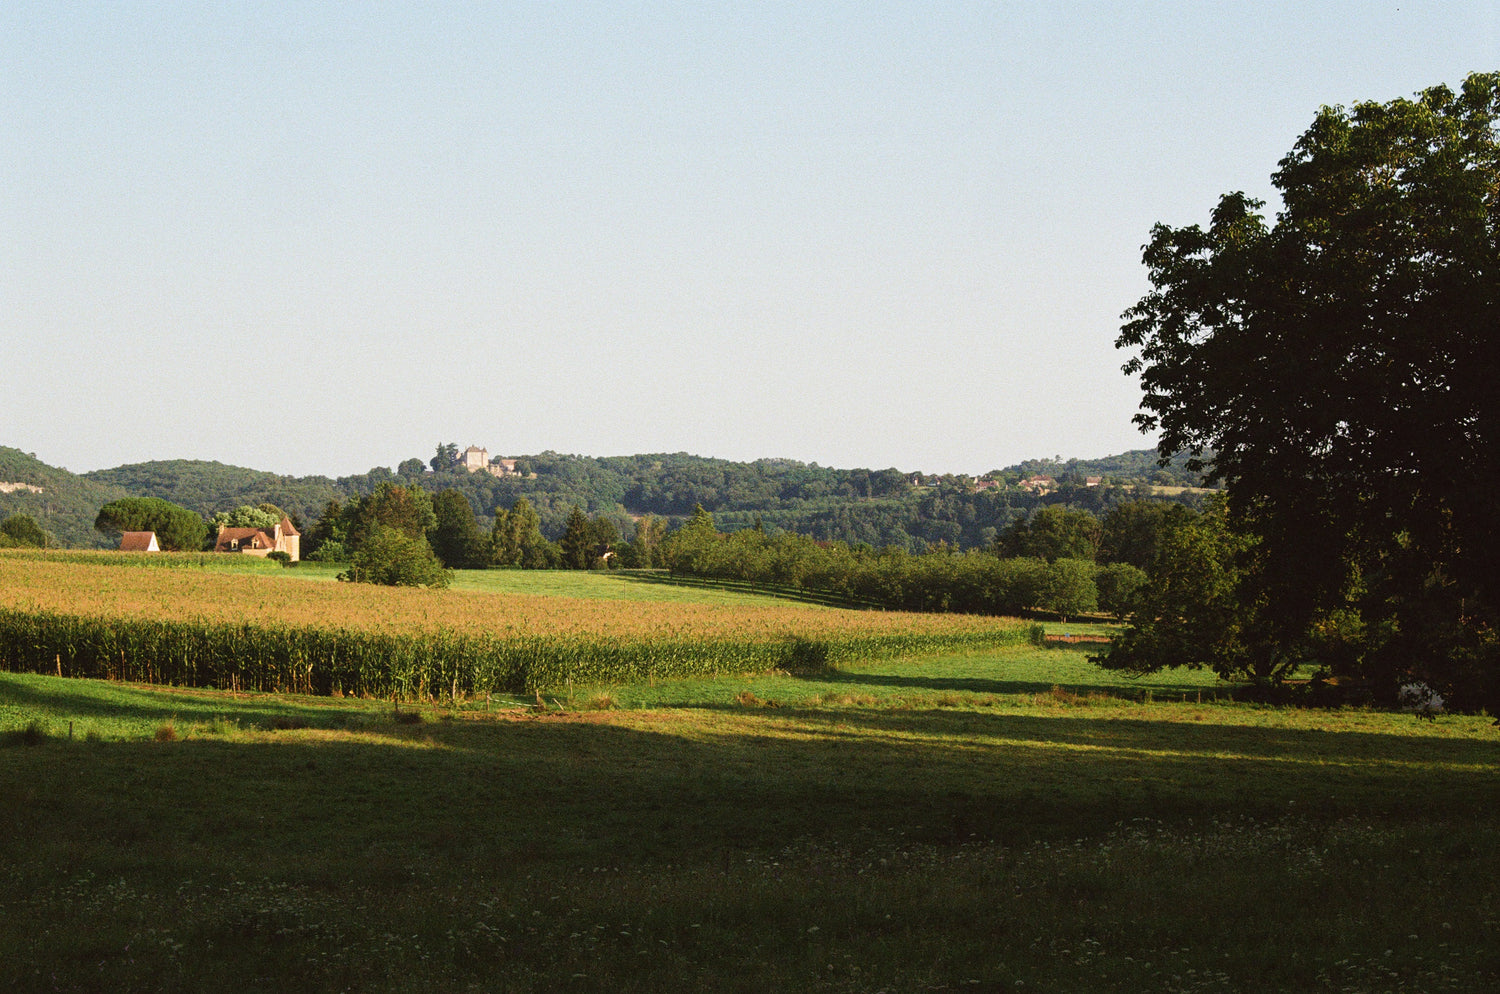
(878, 507)
(63, 503)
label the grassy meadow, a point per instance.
(1008, 818)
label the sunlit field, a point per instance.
(261, 631)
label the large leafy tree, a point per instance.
(577, 542)
(23, 531)
(390, 557)
(456, 537)
(1190, 613)
(408, 509)
(177, 528)
(1132, 531)
(266, 516)
(1052, 533)
(1340, 364)
(516, 538)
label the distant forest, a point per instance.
(880, 508)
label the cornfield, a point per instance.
(265, 632)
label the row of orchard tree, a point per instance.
(1061, 561)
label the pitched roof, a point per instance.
(287, 528)
(233, 537)
(139, 542)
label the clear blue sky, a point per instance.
(316, 238)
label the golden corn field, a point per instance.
(258, 630)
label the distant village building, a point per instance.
(475, 460)
(1038, 484)
(982, 485)
(258, 542)
(1092, 481)
(139, 542)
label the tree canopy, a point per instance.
(393, 558)
(456, 537)
(177, 529)
(21, 530)
(1336, 369)
(266, 516)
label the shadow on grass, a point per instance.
(1172, 741)
(837, 679)
(69, 698)
(600, 786)
(302, 846)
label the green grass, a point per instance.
(1000, 678)
(624, 585)
(621, 585)
(949, 826)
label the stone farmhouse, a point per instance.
(258, 542)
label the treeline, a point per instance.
(1058, 560)
(406, 522)
(881, 508)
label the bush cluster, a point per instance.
(943, 580)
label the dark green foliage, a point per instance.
(1131, 532)
(943, 580)
(177, 528)
(605, 536)
(407, 509)
(392, 558)
(645, 550)
(446, 457)
(1190, 614)
(456, 537)
(209, 487)
(1340, 366)
(1070, 589)
(516, 539)
(22, 531)
(343, 528)
(876, 507)
(577, 543)
(1120, 584)
(63, 504)
(1052, 533)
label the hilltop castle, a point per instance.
(477, 460)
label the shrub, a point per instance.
(394, 559)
